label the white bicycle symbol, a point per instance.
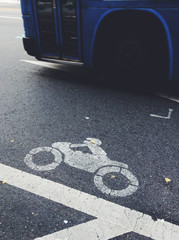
(97, 163)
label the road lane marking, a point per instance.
(119, 219)
(168, 117)
(92, 230)
(172, 99)
(18, 18)
(167, 97)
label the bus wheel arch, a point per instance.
(149, 22)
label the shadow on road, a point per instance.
(80, 75)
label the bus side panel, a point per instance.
(172, 20)
(26, 6)
(90, 18)
(26, 9)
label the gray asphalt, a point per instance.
(40, 106)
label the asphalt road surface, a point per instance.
(42, 104)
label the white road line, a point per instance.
(168, 117)
(18, 18)
(112, 219)
(92, 230)
(167, 97)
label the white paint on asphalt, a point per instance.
(112, 219)
(168, 117)
(92, 230)
(95, 162)
(6, 17)
(133, 182)
(57, 159)
(168, 97)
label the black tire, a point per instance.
(133, 55)
(130, 57)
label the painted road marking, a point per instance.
(168, 117)
(18, 18)
(92, 230)
(167, 97)
(163, 95)
(112, 219)
(95, 162)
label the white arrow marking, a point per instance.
(168, 117)
(112, 219)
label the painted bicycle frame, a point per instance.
(89, 16)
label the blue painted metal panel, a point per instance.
(172, 20)
(57, 35)
(26, 6)
(60, 28)
(26, 9)
(28, 26)
(91, 14)
(79, 26)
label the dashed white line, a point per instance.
(112, 219)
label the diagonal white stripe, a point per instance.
(167, 97)
(118, 218)
(92, 230)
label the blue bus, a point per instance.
(126, 37)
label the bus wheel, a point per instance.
(130, 58)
